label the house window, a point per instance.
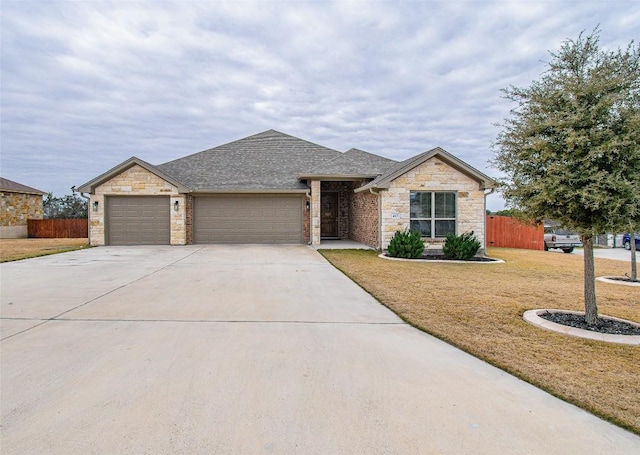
(433, 214)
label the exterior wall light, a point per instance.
(95, 206)
(308, 205)
(176, 206)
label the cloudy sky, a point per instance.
(87, 84)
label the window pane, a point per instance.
(444, 227)
(445, 205)
(420, 204)
(424, 227)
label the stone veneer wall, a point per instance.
(433, 175)
(137, 181)
(189, 219)
(364, 219)
(15, 210)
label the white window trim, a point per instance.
(433, 218)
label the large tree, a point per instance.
(571, 147)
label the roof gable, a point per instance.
(91, 185)
(15, 187)
(266, 161)
(403, 167)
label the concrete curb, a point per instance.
(532, 317)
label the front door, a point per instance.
(329, 215)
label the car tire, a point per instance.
(546, 248)
(627, 245)
(568, 250)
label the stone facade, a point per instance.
(364, 219)
(433, 175)
(315, 212)
(15, 209)
(137, 181)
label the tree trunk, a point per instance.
(634, 266)
(590, 305)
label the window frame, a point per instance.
(432, 219)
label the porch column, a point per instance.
(315, 212)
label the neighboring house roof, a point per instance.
(90, 186)
(352, 163)
(384, 180)
(267, 161)
(15, 187)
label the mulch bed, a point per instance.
(440, 257)
(609, 326)
(622, 278)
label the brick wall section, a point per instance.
(364, 219)
(15, 210)
(137, 181)
(433, 175)
(306, 222)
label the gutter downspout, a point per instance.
(491, 191)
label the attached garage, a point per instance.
(248, 218)
(137, 220)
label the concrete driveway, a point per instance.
(249, 349)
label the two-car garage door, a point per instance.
(254, 218)
(235, 218)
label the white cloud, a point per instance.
(85, 85)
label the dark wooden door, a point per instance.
(329, 215)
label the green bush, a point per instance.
(406, 244)
(462, 247)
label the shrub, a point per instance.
(406, 244)
(462, 247)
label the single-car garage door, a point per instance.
(255, 218)
(138, 220)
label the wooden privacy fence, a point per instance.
(54, 229)
(506, 232)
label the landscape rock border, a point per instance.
(445, 261)
(532, 317)
(613, 280)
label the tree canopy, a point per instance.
(69, 206)
(571, 147)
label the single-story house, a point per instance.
(18, 203)
(276, 188)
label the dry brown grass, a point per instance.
(15, 249)
(479, 307)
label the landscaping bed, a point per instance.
(479, 309)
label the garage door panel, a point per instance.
(138, 220)
(248, 219)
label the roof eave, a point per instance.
(336, 177)
(249, 191)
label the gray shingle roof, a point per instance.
(353, 162)
(15, 187)
(267, 161)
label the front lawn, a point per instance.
(479, 307)
(16, 249)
